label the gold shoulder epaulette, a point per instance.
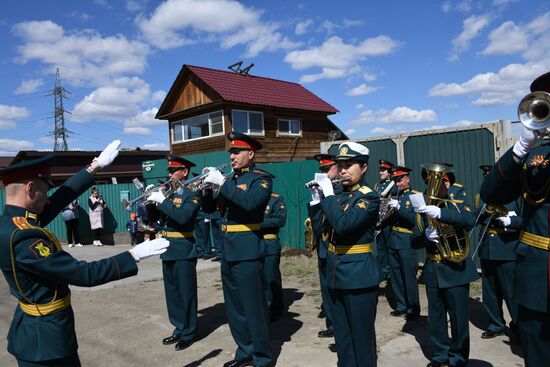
(275, 195)
(457, 185)
(416, 192)
(22, 223)
(364, 189)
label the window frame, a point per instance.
(248, 122)
(289, 133)
(181, 123)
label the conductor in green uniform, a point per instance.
(524, 172)
(243, 198)
(498, 261)
(402, 256)
(274, 220)
(37, 269)
(178, 213)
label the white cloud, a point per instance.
(158, 96)
(350, 132)
(359, 106)
(348, 23)
(397, 115)
(14, 146)
(29, 86)
(172, 25)
(145, 118)
(361, 90)
(383, 131)
(137, 131)
(503, 87)
(368, 76)
(462, 123)
(503, 2)
(471, 28)
(10, 114)
(85, 58)
(302, 27)
(338, 59)
(462, 6)
(156, 146)
(135, 5)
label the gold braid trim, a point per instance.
(534, 198)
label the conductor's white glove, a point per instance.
(505, 221)
(149, 248)
(431, 234)
(525, 142)
(394, 204)
(109, 154)
(215, 177)
(431, 211)
(316, 195)
(156, 197)
(150, 187)
(326, 186)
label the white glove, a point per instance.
(149, 248)
(208, 169)
(525, 142)
(431, 211)
(431, 234)
(215, 177)
(326, 186)
(394, 204)
(316, 195)
(150, 187)
(156, 197)
(109, 154)
(505, 221)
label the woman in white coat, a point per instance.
(96, 206)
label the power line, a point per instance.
(60, 132)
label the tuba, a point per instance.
(452, 246)
(311, 241)
(534, 112)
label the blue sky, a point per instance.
(388, 69)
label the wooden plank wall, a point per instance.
(193, 93)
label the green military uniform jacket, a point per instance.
(352, 217)
(243, 199)
(403, 223)
(180, 210)
(457, 193)
(446, 274)
(39, 272)
(530, 179)
(499, 243)
(274, 220)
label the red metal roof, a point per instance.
(261, 91)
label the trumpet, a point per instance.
(534, 112)
(311, 184)
(166, 188)
(195, 184)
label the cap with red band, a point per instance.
(28, 170)
(242, 141)
(324, 159)
(383, 164)
(397, 171)
(175, 161)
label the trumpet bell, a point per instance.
(534, 111)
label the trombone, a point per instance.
(196, 183)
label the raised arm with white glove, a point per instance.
(326, 186)
(149, 248)
(109, 154)
(431, 211)
(526, 141)
(156, 197)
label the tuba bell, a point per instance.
(534, 112)
(452, 246)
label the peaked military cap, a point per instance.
(40, 168)
(384, 164)
(542, 83)
(398, 171)
(243, 141)
(179, 162)
(324, 159)
(353, 151)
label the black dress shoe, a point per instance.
(412, 316)
(170, 340)
(183, 344)
(491, 334)
(396, 313)
(328, 333)
(321, 314)
(332, 347)
(235, 363)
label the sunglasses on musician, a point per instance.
(174, 169)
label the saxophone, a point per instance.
(311, 241)
(385, 211)
(452, 246)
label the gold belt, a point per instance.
(439, 257)
(349, 250)
(241, 227)
(176, 234)
(499, 231)
(535, 240)
(47, 309)
(271, 236)
(401, 229)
